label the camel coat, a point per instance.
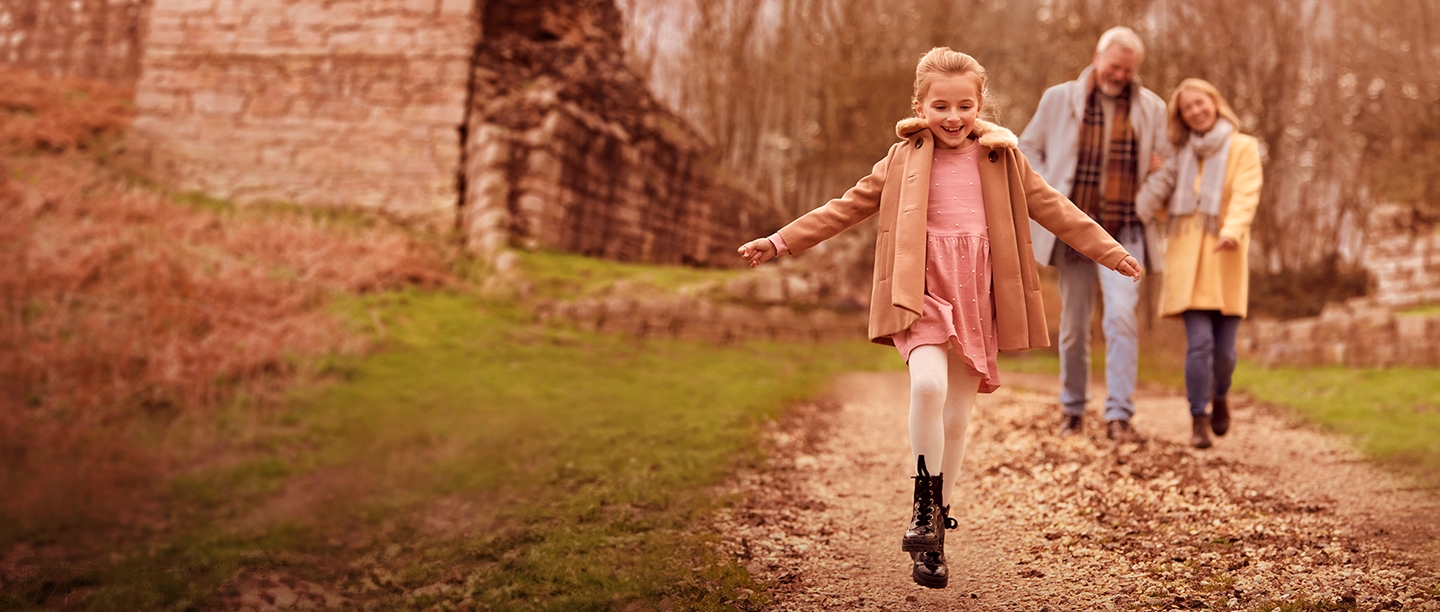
(898, 188)
(1196, 276)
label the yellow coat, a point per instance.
(898, 190)
(1196, 276)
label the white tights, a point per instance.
(942, 392)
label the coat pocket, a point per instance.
(884, 255)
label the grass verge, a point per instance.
(1392, 414)
(478, 459)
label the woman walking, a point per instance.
(1206, 195)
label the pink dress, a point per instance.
(958, 307)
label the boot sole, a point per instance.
(928, 581)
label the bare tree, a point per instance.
(799, 95)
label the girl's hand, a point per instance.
(1131, 268)
(1226, 243)
(757, 251)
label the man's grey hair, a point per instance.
(1122, 36)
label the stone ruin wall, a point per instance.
(569, 150)
(96, 39)
(346, 103)
(364, 104)
(1403, 260)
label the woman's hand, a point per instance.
(1226, 243)
(1131, 268)
(757, 251)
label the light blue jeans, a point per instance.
(1078, 280)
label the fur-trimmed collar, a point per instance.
(989, 134)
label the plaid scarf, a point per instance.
(1116, 209)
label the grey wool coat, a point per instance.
(898, 190)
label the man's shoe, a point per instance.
(1071, 425)
(1120, 431)
(1200, 431)
(1220, 415)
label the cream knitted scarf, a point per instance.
(1213, 148)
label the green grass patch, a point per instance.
(568, 276)
(1393, 413)
(480, 457)
(1424, 310)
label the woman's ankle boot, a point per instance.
(930, 569)
(1200, 431)
(1220, 415)
(926, 524)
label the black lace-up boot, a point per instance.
(929, 568)
(926, 525)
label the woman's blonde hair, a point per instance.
(1178, 129)
(942, 62)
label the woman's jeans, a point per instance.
(1210, 356)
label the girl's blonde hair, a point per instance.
(1178, 129)
(943, 62)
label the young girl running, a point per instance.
(954, 279)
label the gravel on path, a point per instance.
(1277, 515)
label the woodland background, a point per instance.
(798, 96)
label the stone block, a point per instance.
(268, 106)
(1412, 327)
(542, 166)
(769, 289)
(183, 6)
(454, 8)
(801, 290)
(217, 103)
(448, 115)
(1373, 319)
(1336, 353)
(1300, 330)
(156, 102)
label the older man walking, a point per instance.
(1096, 138)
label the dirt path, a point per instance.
(1275, 513)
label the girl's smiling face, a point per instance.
(950, 108)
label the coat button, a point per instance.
(994, 157)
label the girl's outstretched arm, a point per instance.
(1130, 267)
(757, 251)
